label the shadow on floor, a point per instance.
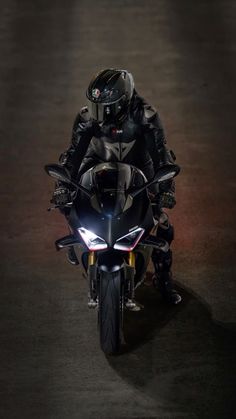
(179, 356)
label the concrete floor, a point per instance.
(180, 362)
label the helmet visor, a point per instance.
(102, 112)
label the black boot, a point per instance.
(71, 256)
(162, 278)
(164, 283)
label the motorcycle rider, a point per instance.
(118, 125)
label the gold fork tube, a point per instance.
(91, 258)
(131, 259)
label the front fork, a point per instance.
(92, 277)
(131, 273)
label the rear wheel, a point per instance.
(110, 311)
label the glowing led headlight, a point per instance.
(129, 241)
(92, 241)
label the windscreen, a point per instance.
(111, 182)
(112, 176)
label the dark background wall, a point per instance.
(182, 361)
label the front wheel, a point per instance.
(110, 311)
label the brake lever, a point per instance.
(53, 208)
(59, 206)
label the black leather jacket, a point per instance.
(138, 140)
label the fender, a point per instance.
(110, 262)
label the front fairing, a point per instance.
(111, 212)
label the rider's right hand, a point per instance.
(61, 196)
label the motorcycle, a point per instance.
(111, 223)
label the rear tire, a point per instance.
(110, 311)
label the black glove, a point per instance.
(167, 200)
(61, 196)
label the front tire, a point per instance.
(110, 311)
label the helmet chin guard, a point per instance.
(109, 94)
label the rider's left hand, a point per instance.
(167, 200)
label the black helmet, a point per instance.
(109, 94)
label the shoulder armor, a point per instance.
(84, 115)
(149, 112)
(83, 119)
(83, 124)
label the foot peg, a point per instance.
(133, 305)
(92, 303)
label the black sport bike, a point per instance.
(111, 220)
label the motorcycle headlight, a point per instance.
(92, 241)
(129, 241)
